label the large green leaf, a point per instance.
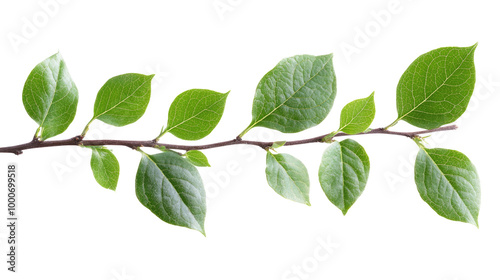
(50, 97)
(123, 99)
(295, 95)
(448, 181)
(288, 177)
(343, 173)
(171, 187)
(105, 167)
(195, 113)
(357, 115)
(436, 88)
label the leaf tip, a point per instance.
(472, 48)
(371, 97)
(113, 186)
(475, 222)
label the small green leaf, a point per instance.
(436, 88)
(161, 148)
(288, 177)
(295, 95)
(357, 115)
(195, 113)
(343, 173)
(448, 181)
(105, 167)
(171, 187)
(50, 97)
(197, 158)
(278, 144)
(123, 99)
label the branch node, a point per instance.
(265, 146)
(376, 130)
(18, 152)
(78, 139)
(327, 139)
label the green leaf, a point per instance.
(123, 99)
(448, 181)
(288, 177)
(357, 115)
(197, 158)
(105, 167)
(50, 97)
(195, 113)
(343, 173)
(161, 148)
(278, 144)
(436, 88)
(171, 187)
(295, 95)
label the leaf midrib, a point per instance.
(362, 109)
(54, 94)
(100, 159)
(442, 84)
(173, 186)
(343, 178)
(452, 187)
(120, 102)
(289, 176)
(194, 116)
(302, 86)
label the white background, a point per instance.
(71, 228)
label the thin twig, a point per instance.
(77, 141)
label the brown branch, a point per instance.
(78, 141)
